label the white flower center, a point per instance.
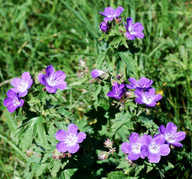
(16, 102)
(131, 29)
(136, 148)
(22, 87)
(52, 81)
(170, 137)
(147, 99)
(71, 140)
(154, 148)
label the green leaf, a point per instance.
(130, 63)
(69, 173)
(56, 167)
(41, 169)
(66, 113)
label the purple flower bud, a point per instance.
(133, 30)
(69, 141)
(96, 73)
(103, 26)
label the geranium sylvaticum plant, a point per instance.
(112, 127)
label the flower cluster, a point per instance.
(21, 86)
(69, 140)
(52, 80)
(133, 30)
(145, 94)
(155, 147)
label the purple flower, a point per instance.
(148, 97)
(133, 30)
(12, 102)
(103, 26)
(143, 83)
(96, 73)
(171, 135)
(117, 91)
(133, 149)
(155, 148)
(53, 80)
(110, 13)
(69, 141)
(22, 85)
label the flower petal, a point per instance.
(129, 36)
(146, 139)
(118, 11)
(30, 83)
(80, 137)
(171, 128)
(41, 79)
(16, 82)
(60, 135)
(159, 139)
(49, 70)
(138, 26)
(133, 137)
(26, 76)
(144, 151)
(154, 158)
(11, 108)
(11, 94)
(60, 75)
(138, 34)
(157, 97)
(133, 156)
(162, 129)
(7, 101)
(61, 147)
(126, 147)
(133, 82)
(72, 129)
(61, 85)
(180, 135)
(22, 94)
(175, 143)
(164, 150)
(51, 89)
(129, 21)
(96, 73)
(108, 11)
(73, 149)
(21, 102)
(145, 82)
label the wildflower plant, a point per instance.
(63, 141)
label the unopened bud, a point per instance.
(57, 155)
(103, 155)
(108, 143)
